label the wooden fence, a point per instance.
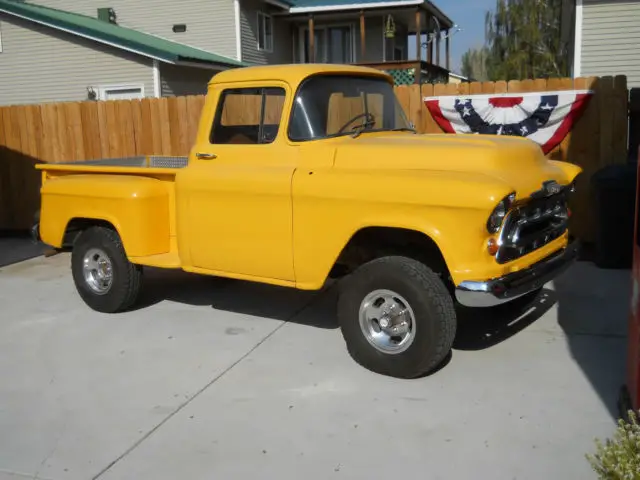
(87, 130)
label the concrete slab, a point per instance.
(225, 379)
(81, 387)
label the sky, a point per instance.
(469, 15)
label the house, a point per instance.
(603, 38)
(457, 78)
(73, 50)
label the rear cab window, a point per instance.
(248, 116)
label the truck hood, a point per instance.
(515, 161)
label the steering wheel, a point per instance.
(370, 120)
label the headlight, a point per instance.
(497, 216)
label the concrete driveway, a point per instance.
(221, 379)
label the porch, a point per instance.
(380, 38)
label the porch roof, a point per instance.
(311, 6)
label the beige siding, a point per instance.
(282, 51)
(210, 23)
(176, 81)
(39, 64)
(611, 39)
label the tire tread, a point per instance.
(438, 296)
(131, 279)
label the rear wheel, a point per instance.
(397, 317)
(104, 278)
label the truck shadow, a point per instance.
(479, 328)
(315, 309)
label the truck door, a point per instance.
(239, 187)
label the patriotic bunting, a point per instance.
(543, 117)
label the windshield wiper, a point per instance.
(358, 129)
(404, 129)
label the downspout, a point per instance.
(157, 87)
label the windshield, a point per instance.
(332, 105)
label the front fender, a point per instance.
(136, 206)
(331, 206)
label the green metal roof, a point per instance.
(114, 35)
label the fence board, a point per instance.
(168, 126)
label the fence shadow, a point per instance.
(592, 302)
(19, 190)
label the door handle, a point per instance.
(206, 156)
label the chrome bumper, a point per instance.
(496, 291)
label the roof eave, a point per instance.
(209, 64)
(427, 5)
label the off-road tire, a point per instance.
(435, 317)
(127, 277)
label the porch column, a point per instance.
(362, 37)
(447, 48)
(438, 49)
(312, 37)
(430, 44)
(418, 34)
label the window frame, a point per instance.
(398, 110)
(217, 117)
(262, 20)
(103, 89)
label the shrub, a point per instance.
(619, 458)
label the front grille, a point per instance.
(533, 225)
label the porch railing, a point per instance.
(408, 72)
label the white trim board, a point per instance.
(577, 41)
(238, 30)
(123, 86)
(355, 6)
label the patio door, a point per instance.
(332, 44)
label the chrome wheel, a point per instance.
(97, 270)
(387, 321)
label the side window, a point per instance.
(248, 116)
(265, 32)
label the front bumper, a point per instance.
(496, 291)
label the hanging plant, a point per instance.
(390, 28)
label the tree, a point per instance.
(523, 40)
(474, 64)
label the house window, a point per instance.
(120, 92)
(332, 44)
(248, 116)
(265, 32)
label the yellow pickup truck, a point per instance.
(304, 173)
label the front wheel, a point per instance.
(397, 317)
(103, 276)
